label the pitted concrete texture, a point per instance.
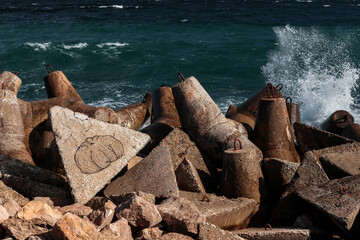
(92, 152)
(208, 231)
(188, 178)
(154, 174)
(10, 81)
(202, 119)
(12, 141)
(338, 199)
(180, 147)
(310, 138)
(274, 234)
(342, 164)
(225, 213)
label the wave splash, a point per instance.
(316, 71)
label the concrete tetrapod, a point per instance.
(337, 121)
(134, 115)
(294, 114)
(10, 81)
(242, 175)
(202, 119)
(272, 133)
(164, 117)
(246, 112)
(12, 141)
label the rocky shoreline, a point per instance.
(173, 167)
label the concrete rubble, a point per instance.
(69, 170)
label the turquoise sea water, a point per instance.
(115, 51)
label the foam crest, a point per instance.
(316, 71)
(111, 45)
(38, 46)
(77, 46)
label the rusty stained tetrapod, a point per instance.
(203, 121)
(246, 112)
(337, 121)
(135, 115)
(241, 174)
(12, 140)
(164, 117)
(272, 133)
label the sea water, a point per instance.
(113, 52)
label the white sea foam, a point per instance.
(80, 45)
(326, 6)
(316, 70)
(111, 45)
(103, 6)
(117, 6)
(38, 46)
(34, 4)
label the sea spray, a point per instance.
(316, 70)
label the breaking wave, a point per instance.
(78, 46)
(38, 46)
(316, 70)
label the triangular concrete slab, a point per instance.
(154, 174)
(92, 152)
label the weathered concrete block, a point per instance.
(278, 173)
(208, 231)
(135, 160)
(309, 173)
(19, 169)
(181, 215)
(188, 178)
(119, 199)
(341, 164)
(92, 151)
(118, 230)
(310, 138)
(180, 147)
(225, 213)
(139, 213)
(338, 200)
(154, 174)
(33, 189)
(274, 234)
(10, 81)
(172, 236)
(103, 216)
(7, 193)
(71, 227)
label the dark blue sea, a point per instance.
(114, 51)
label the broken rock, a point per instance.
(118, 230)
(103, 216)
(180, 215)
(71, 227)
(40, 213)
(77, 209)
(92, 151)
(12, 207)
(149, 234)
(139, 213)
(7, 193)
(4, 215)
(154, 174)
(172, 236)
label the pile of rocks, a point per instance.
(173, 167)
